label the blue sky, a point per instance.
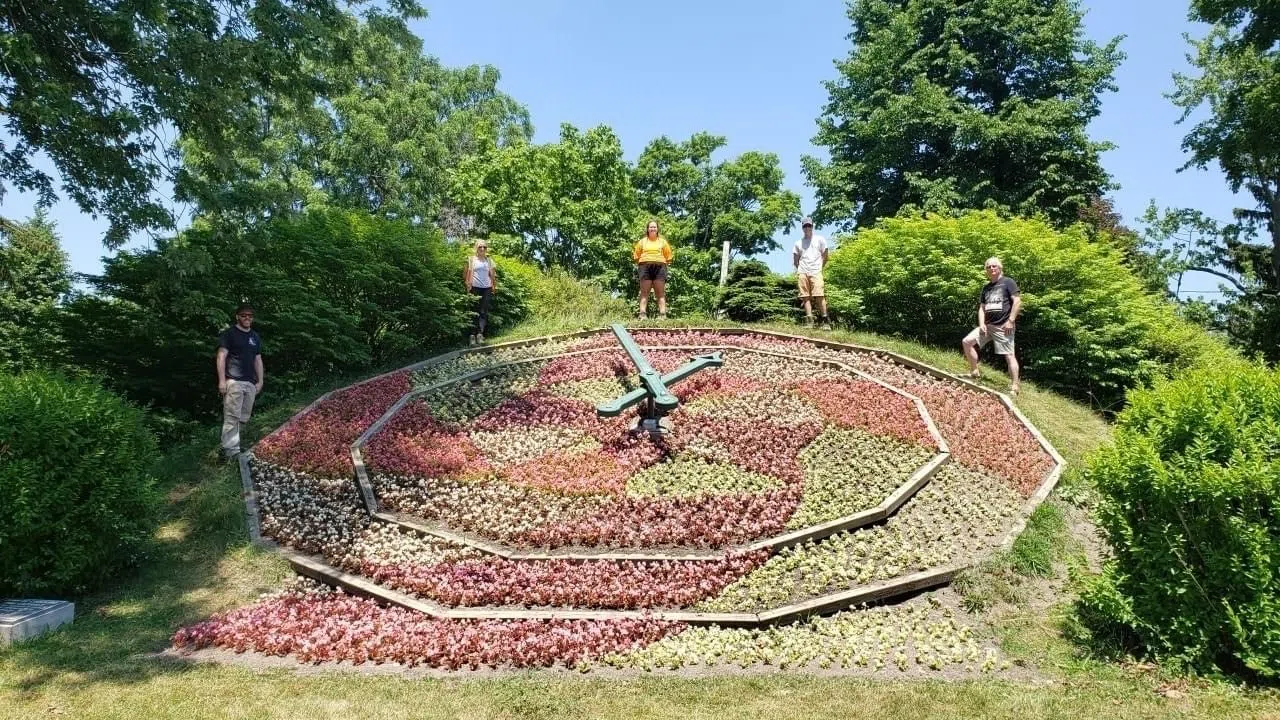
(752, 70)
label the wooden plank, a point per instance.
(843, 600)
(918, 479)
(817, 532)
(250, 495)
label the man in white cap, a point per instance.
(998, 306)
(809, 258)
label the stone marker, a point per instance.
(24, 619)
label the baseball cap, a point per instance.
(806, 221)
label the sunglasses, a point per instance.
(245, 315)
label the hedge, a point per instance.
(79, 501)
(1191, 511)
(1088, 328)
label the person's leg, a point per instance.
(1013, 373)
(1004, 346)
(806, 296)
(231, 403)
(660, 289)
(819, 292)
(475, 316)
(486, 300)
(645, 285)
(970, 344)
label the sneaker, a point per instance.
(480, 339)
(1013, 390)
(471, 339)
(974, 374)
(826, 324)
(808, 322)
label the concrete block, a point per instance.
(25, 619)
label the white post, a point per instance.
(724, 264)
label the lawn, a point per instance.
(106, 664)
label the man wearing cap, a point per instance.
(809, 258)
(998, 306)
(239, 363)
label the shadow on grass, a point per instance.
(198, 562)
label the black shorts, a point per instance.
(651, 271)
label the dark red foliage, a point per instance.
(331, 627)
(319, 441)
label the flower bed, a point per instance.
(767, 445)
(318, 625)
(954, 518)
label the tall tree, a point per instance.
(381, 142)
(963, 104)
(1239, 82)
(103, 87)
(34, 276)
(741, 201)
(565, 204)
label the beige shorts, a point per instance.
(810, 285)
(1003, 340)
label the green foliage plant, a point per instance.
(1087, 329)
(102, 89)
(962, 104)
(34, 277)
(336, 292)
(754, 294)
(1189, 506)
(77, 498)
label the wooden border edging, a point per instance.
(879, 513)
(830, 602)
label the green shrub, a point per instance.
(1190, 507)
(336, 292)
(753, 293)
(1087, 329)
(555, 294)
(79, 501)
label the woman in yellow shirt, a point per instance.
(652, 254)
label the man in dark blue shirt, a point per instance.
(239, 363)
(998, 307)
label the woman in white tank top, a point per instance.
(481, 278)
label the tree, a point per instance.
(565, 204)
(740, 201)
(100, 87)
(381, 142)
(1239, 82)
(963, 104)
(1182, 241)
(1088, 328)
(34, 276)
(336, 291)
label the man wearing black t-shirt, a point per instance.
(998, 307)
(239, 363)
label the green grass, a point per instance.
(200, 562)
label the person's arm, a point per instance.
(795, 257)
(466, 274)
(257, 366)
(667, 253)
(824, 254)
(220, 361)
(635, 251)
(493, 276)
(1013, 314)
(982, 315)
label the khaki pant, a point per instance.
(810, 285)
(1001, 339)
(237, 405)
